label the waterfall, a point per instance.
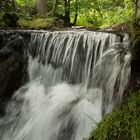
(75, 79)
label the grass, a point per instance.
(36, 23)
(123, 124)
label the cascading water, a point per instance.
(75, 78)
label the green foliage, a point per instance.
(97, 13)
(36, 23)
(28, 3)
(7, 5)
(123, 124)
(10, 19)
(101, 13)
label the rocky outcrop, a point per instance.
(11, 65)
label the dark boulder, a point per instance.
(11, 67)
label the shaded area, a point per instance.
(11, 66)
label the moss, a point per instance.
(121, 125)
(36, 23)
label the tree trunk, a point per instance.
(67, 12)
(137, 8)
(76, 12)
(41, 7)
(55, 7)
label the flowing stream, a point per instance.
(75, 79)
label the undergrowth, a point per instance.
(36, 23)
(123, 124)
(2, 24)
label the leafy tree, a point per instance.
(97, 13)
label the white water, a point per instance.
(75, 78)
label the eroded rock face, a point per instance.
(11, 66)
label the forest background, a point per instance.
(89, 13)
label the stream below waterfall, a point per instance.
(75, 79)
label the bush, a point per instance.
(10, 19)
(36, 23)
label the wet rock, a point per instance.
(11, 66)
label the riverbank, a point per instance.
(124, 124)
